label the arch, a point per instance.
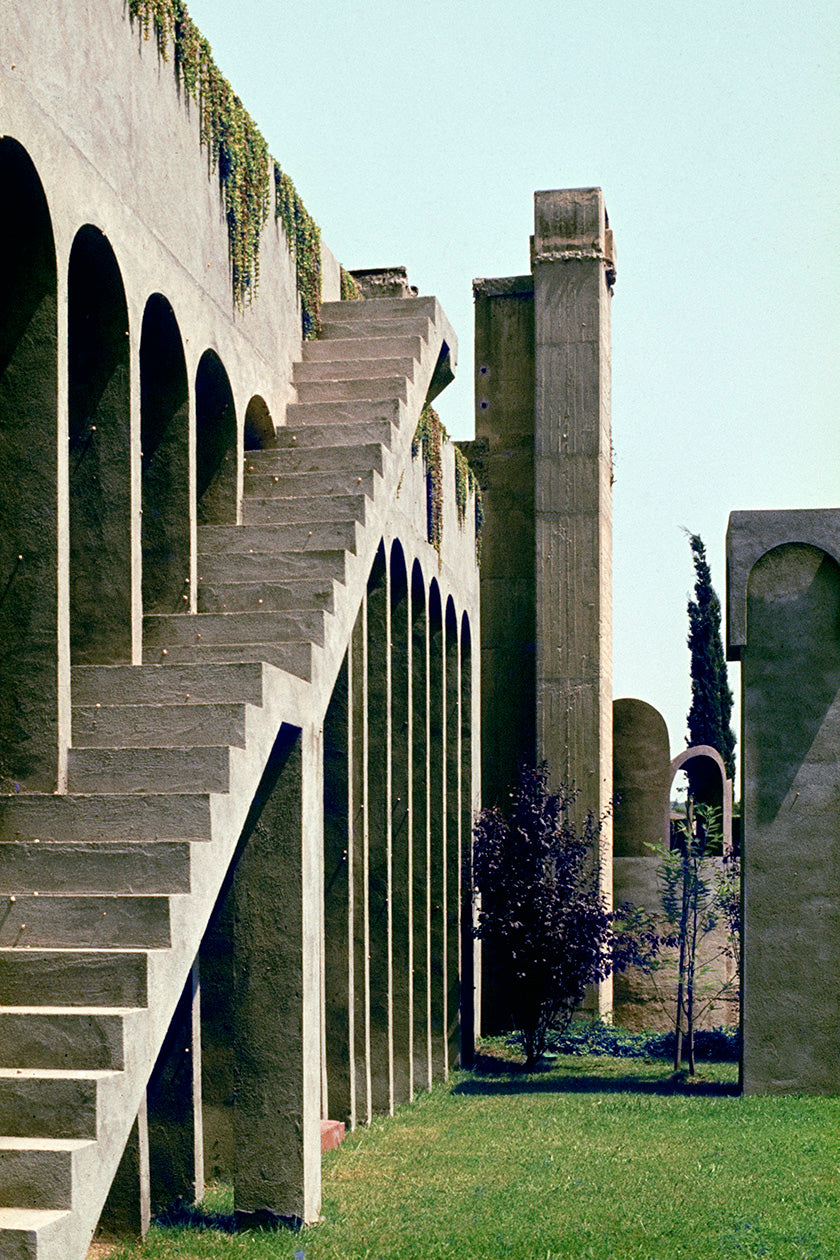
(452, 834)
(164, 440)
(711, 786)
(29, 456)
(260, 434)
(99, 399)
(401, 888)
(436, 814)
(215, 443)
(421, 835)
(642, 778)
(467, 791)
(399, 573)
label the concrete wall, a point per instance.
(783, 624)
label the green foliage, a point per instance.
(429, 437)
(239, 154)
(304, 240)
(713, 1045)
(350, 291)
(541, 911)
(710, 715)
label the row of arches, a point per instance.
(108, 464)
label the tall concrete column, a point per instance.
(437, 834)
(174, 1103)
(573, 276)
(338, 991)
(452, 839)
(277, 890)
(420, 835)
(361, 1108)
(783, 596)
(379, 836)
(401, 896)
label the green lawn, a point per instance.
(599, 1158)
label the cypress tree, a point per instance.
(710, 715)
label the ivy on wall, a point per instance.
(350, 291)
(239, 154)
(304, 240)
(428, 440)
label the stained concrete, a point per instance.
(783, 613)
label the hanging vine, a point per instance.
(304, 240)
(428, 440)
(239, 154)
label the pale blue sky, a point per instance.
(416, 135)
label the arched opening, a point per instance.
(708, 785)
(164, 438)
(215, 443)
(437, 830)
(28, 455)
(468, 943)
(401, 891)
(99, 448)
(260, 434)
(452, 823)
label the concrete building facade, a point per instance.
(240, 725)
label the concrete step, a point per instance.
(149, 769)
(294, 658)
(362, 349)
(38, 1172)
(347, 391)
(221, 566)
(62, 1037)
(347, 369)
(372, 309)
(306, 484)
(167, 684)
(162, 816)
(277, 540)
(269, 595)
(56, 921)
(74, 977)
(360, 411)
(281, 510)
(186, 725)
(45, 1102)
(312, 436)
(28, 1234)
(360, 457)
(99, 866)
(261, 626)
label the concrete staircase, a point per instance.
(105, 892)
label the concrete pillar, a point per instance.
(361, 1108)
(277, 889)
(420, 835)
(784, 625)
(502, 456)
(379, 836)
(573, 275)
(127, 1212)
(338, 991)
(452, 839)
(175, 1120)
(468, 805)
(436, 812)
(401, 895)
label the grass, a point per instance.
(591, 1159)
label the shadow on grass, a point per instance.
(492, 1075)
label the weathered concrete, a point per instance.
(641, 779)
(783, 612)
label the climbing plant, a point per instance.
(429, 437)
(304, 240)
(238, 152)
(350, 291)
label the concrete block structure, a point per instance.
(543, 455)
(239, 732)
(783, 625)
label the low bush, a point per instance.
(713, 1045)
